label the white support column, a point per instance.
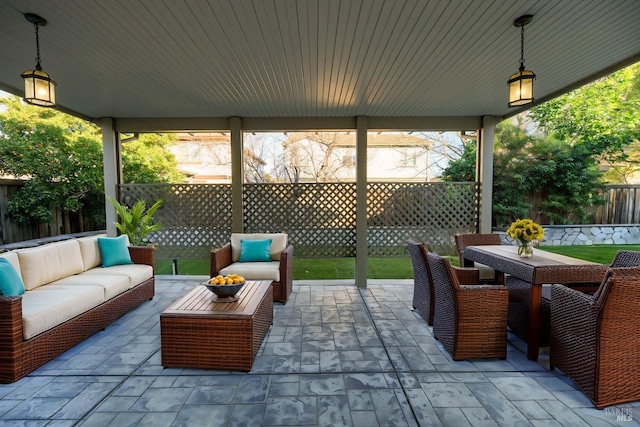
(362, 248)
(484, 171)
(237, 174)
(112, 171)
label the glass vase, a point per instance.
(525, 250)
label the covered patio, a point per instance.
(336, 355)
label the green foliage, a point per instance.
(60, 157)
(564, 178)
(464, 168)
(147, 160)
(136, 222)
(603, 117)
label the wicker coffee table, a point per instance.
(198, 332)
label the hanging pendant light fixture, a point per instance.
(521, 83)
(39, 87)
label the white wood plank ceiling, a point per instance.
(310, 58)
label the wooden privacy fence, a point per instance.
(63, 222)
(622, 205)
(320, 218)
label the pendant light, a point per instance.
(39, 87)
(521, 83)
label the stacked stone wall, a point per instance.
(560, 235)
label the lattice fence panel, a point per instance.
(194, 217)
(426, 212)
(320, 219)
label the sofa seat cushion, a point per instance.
(137, 273)
(48, 306)
(254, 270)
(112, 285)
(44, 264)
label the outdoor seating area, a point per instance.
(335, 355)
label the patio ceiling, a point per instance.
(284, 58)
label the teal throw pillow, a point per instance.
(11, 283)
(255, 250)
(114, 251)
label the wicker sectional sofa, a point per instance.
(68, 297)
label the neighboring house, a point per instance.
(206, 158)
(317, 156)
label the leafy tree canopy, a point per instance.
(603, 117)
(60, 156)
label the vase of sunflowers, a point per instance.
(525, 232)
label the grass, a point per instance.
(384, 268)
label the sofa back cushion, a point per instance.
(278, 243)
(50, 262)
(90, 251)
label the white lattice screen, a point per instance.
(320, 219)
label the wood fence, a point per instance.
(63, 223)
(622, 205)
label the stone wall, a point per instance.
(559, 235)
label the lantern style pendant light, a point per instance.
(39, 87)
(521, 83)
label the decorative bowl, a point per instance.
(225, 291)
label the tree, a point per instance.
(147, 160)
(60, 157)
(603, 117)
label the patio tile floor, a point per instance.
(336, 355)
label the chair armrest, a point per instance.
(573, 311)
(286, 264)
(220, 258)
(10, 323)
(143, 255)
(467, 276)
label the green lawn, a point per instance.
(385, 268)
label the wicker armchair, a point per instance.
(519, 294)
(487, 274)
(422, 284)
(595, 338)
(470, 320)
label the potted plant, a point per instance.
(137, 222)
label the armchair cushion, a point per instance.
(255, 250)
(278, 243)
(254, 270)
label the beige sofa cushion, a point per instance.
(12, 257)
(278, 243)
(48, 306)
(50, 262)
(254, 270)
(90, 251)
(136, 273)
(112, 285)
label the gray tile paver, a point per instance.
(336, 355)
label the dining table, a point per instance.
(541, 268)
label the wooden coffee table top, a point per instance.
(202, 302)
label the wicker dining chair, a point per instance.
(487, 274)
(595, 339)
(470, 319)
(423, 300)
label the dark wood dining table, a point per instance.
(542, 268)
